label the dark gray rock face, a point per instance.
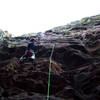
(74, 74)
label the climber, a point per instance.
(29, 53)
(31, 44)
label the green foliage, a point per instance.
(81, 25)
(11, 66)
(84, 20)
(12, 44)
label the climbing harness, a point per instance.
(50, 66)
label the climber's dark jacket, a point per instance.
(30, 46)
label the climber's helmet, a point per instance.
(32, 39)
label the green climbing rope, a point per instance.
(50, 65)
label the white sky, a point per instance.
(24, 16)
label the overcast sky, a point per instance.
(24, 16)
